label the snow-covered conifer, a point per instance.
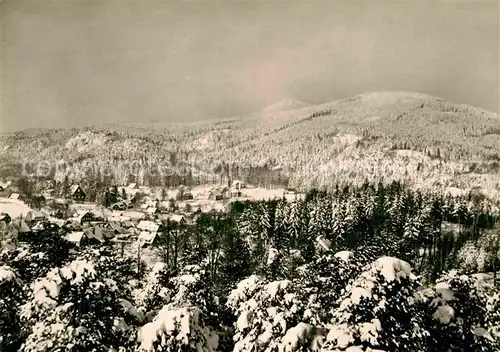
(379, 311)
(74, 308)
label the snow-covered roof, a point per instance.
(127, 223)
(37, 215)
(21, 226)
(134, 215)
(96, 233)
(73, 188)
(177, 217)
(344, 255)
(5, 184)
(146, 237)
(132, 185)
(218, 207)
(80, 212)
(15, 196)
(148, 226)
(151, 210)
(115, 226)
(74, 237)
(60, 201)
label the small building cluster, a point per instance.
(136, 215)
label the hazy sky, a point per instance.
(74, 63)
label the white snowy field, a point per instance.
(13, 207)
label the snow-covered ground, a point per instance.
(13, 207)
(201, 196)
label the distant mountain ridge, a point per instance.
(423, 140)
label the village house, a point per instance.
(128, 203)
(122, 205)
(147, 238)
(132, 186)
(44, 226)
(238, 184)
(4, 217)
(219, 193)
(178, 218)
(134, 215)
(87, 217)
(57, 213)
(148, 232)
(94, 235)
(215, 194)
(146, 225)
(5, 186)
(77, 193)
(184, 194)
(36, 216)
(116, 228)
(127, 224)
(22, 228)
(16, 196)
(76, 237)
(235, 193)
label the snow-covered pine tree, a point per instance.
(322, 281)
(189, 322)
(74, 308)
(269, 316)
(293, 223)
(463, 313)
(11, 296)
(280, 235)
(379, 311)
(234, 262)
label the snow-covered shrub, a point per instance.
(74, 309)
(463, 312)
(154, 293)
(178, 329)
(379, 311)
(323, 281)
(282, 264)
(480, 256)
(36, 260)
(269, 316)
(10, 300)
(109, 264)
(189, 319)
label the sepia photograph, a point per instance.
(249, 176)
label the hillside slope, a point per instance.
(422, 140)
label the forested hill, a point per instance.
(379, 136)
